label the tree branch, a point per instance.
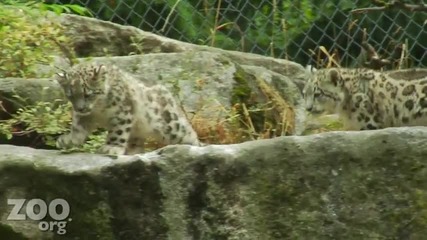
(393, 5)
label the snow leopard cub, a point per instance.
(103, 96)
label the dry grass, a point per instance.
(285, 115)
(241, 122)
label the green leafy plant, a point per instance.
(42, 6)
(64, 8)
(46, 119)
(92, 144)
(29, 35)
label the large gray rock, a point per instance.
(96, 38)
(337, 185)
(208, 83)
(19, 92)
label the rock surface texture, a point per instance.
(336, 185)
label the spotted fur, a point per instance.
(368, 99)
(106, 97)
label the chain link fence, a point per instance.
(306, 31)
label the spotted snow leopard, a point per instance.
(103, 96)
(369, 99)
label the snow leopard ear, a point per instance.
(61, 77)
(97, 70)
(309, 68)
(61, 74)
(334, 76)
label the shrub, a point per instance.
(29, 36)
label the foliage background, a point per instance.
(279, 28)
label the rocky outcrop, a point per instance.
(209, 81)
(409, 74)
(337, 185)
(96, 38)
(18, 92)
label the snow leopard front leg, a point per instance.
(81, 127)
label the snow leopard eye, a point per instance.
(88, 94)
(316, 92)
(62, 77)
(62, 74)
(68, 93)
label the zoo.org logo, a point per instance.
(37, 209)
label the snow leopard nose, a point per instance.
(79, 108)
(308, 106)
(79, 105)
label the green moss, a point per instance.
(325, 124)
(334, 126)
(340, 197)
(289, 92)
(241, 89)
(6, 232)
(280, 207)
(225, 61)
(97, 219)
(213, 212)
(27, 39)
